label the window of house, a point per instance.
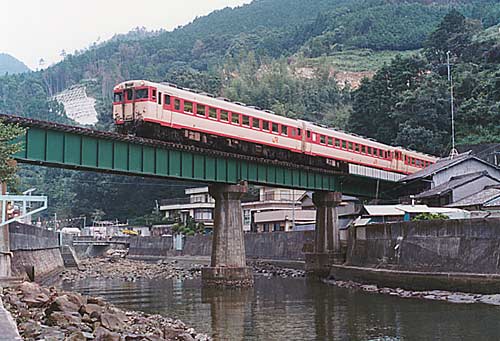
(256, 123)
(284, 130)
(200, 110)
(275, 128)
(212, 113)
(245, 120)
(188, 107)
(177, 104)
(167, 100)
(224, 115)
(235, 118)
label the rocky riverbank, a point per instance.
(50, 314)
(435, 295)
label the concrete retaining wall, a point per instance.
(150, 247)
(272, 245)
(35, 252)
(469, 246)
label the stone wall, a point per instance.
(35, 252)
(466, 246)
(272, 245)
(150, 247)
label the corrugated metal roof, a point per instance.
(383, 210)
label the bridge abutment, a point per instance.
(327, 248)
(228, 264)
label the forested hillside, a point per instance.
(287, 55)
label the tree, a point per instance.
(9, 133)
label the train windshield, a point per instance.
(141, 93)
(118, 97)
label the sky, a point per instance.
(35, 29)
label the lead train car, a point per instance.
(166, 111)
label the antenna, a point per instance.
(453, 152)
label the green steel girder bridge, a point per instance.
(56, 145)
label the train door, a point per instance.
(396, 160)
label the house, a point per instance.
(199, 205)
(284, 220)
(487, 199)
(449, 180)
(489, 152)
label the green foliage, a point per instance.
(430, 216)
(190, 228)
(8, 147)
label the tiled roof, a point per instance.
(454, 182)
(440, 165)
(485, 196)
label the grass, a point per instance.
(359, 60)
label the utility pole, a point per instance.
(453, 152)
(293, 210)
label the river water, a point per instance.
(298, 309)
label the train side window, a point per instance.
(235, 118)
(350, 146)
(212, 113)
(200, 110)
(167, 100)
(284, 130)
(308, 134)
(177, 104)
(188, 107)
(299, 132)
(363, 149)
(256, 123)
(370, 151)
(153, 96)
(337, 143)
(344, 145)
(275, 128)
(224, 115)
(322, 139)
(245, 120)
(356, 148)
(330, 141)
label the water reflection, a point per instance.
(299, 309)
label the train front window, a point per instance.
(130, 94)
(141, 94)
(118, 97)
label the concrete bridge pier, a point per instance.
(327, 249)
(228, 264)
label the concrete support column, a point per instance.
(228, 263)
(327, 249)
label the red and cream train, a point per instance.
(162, 110)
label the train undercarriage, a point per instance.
(158, 132)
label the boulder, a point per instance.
(90, 308)
(63, 319)
(33, 295)
(112, 321)
(102, 334)
(62, 303)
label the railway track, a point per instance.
(32, 123)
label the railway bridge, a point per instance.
(55, 145)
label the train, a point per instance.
(167, 112)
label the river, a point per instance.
(298, 309)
